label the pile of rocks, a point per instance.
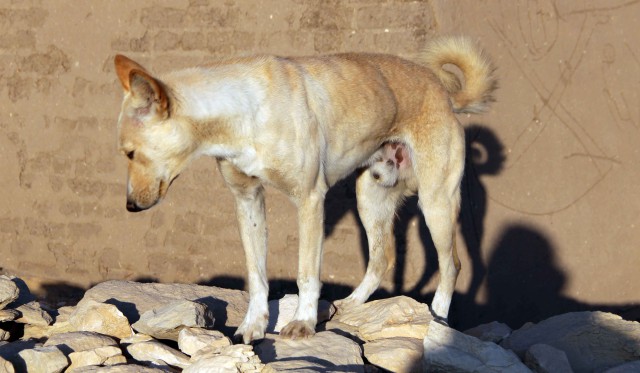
(122, 326)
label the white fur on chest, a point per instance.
(249, 162)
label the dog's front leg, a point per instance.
(249, 195)
(310, 221)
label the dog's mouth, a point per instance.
(163, 187)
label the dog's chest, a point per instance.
(249, 162)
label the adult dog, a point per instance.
(301, 124)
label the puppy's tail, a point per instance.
(477, 69)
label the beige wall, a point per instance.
(551, 208)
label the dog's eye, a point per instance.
(130, 154)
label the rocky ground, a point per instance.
(121, 326)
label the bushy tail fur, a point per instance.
(477, 69)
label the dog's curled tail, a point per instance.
(477, 69)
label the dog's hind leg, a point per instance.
(377, 205)
(249, 196)
(439, 164)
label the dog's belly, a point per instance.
(340, 164)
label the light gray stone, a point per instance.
(119, 368)
(31, 313)
(154, 351)
(107, 355)
(399, 355)
(134, 299)
(11, 351)
(79, 341)
(236, 358)
(92, 316)
(387, 318)
(491, 332)
(136, 338)
(167, 321)
(8, 315)
(44, 359)
(191, 340)
(325, 351)
(6, 366)
(543, 358)
(8, 291)
(281, 312)
(592, 341)
(448, 350)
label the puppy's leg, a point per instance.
(310, 220)
(377, 205)
(250, 212)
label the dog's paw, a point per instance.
(250, 331)
(298, 329)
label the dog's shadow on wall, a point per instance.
(522, 280)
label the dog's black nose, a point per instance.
(132, 207)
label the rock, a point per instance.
(447, 350)
(632, 367)
(129, 368)
(11, 351)
(31, 313)
(592, 341)
(4, 335)
(387, 318)
(8, 315)
(492, 332)
(281, 312)
(136, 338)
(102, 318)
(191, 340)
(80, 341)
(166, 322)
(325, 351)
(42, 359)
(543, 358)
(8, 291)
(35, 332)
(395, 354)
(154, 351)
(107, 355)
(134, 299)
(214, 364)
(6, 366)
(236, 358)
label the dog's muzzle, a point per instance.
(133, 207)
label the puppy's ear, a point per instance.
(148, 93)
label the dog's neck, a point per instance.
(220, 112)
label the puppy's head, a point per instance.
(155, 142)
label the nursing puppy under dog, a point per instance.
(301, 124)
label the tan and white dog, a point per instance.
(301, 124)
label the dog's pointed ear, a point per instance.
(147, 91)
(124, 66)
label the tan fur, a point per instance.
(301, 125)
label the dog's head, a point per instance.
(150, 135)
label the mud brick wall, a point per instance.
(550, 205)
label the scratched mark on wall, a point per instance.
(530, 33)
